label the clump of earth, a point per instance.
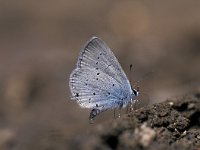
(172, 124)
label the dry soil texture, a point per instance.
(173, 124)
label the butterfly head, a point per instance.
(136, 91)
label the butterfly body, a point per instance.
(99, 82)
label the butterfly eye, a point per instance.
(135, 92)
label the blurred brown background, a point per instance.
(39, 46)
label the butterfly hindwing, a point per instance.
(91, 88)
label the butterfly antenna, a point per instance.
(130, 77)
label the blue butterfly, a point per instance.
(98, 82)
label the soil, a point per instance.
(39, 46)
(172, 124)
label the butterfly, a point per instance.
(98, 82)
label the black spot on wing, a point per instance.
(77, 95)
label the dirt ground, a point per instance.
(172, 125)
(39, 45)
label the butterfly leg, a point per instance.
(119, 115)
(127, 109)
(114, 113)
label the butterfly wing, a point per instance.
(99, 82)
(96, 54)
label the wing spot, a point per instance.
(94, 93)
(113, 85)
(77, 95)
(97, 57)
(89, 100)
(108, 93)
(97, 63)
(120, 104)
(100, 53)
(97, 78)
(98, 73)
(86, 84)
(97, 105)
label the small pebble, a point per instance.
(171, 103)
(190, 106)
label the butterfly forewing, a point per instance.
(98, 80)
(96, 54)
